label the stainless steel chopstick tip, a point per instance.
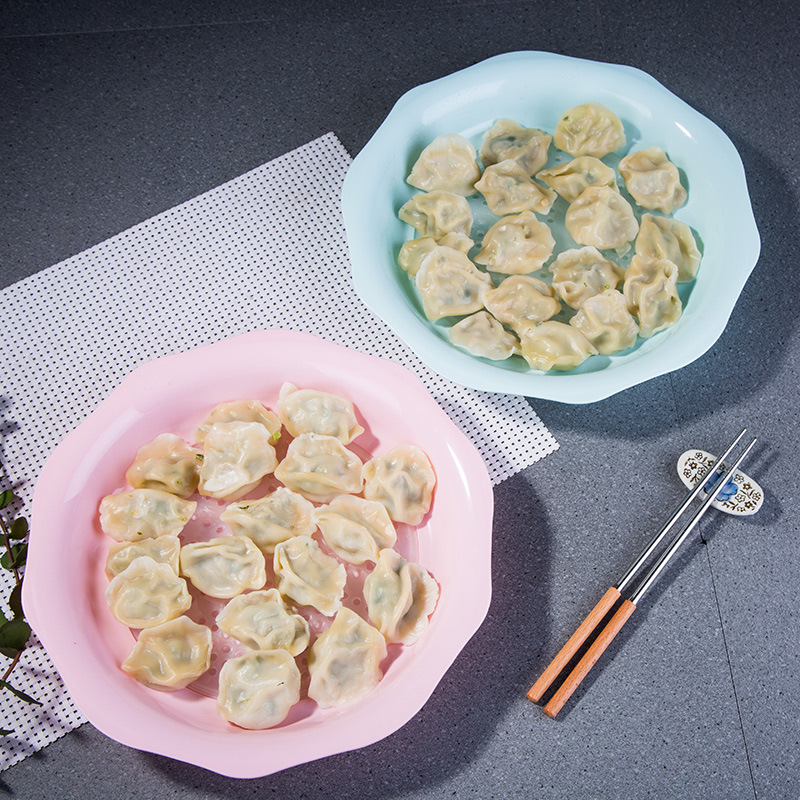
(673, 548)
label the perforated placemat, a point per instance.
(266, 250)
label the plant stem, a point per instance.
(11, 666)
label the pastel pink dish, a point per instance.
(64, 581)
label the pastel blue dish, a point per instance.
(535, 89)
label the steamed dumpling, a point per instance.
(664, 237)
(437, 213)
(319, 468)
(589, 129)
(601, 217)
(412, 253)
(257, 690)
(582, 273)
(308, 576)
(653, 180)
(345, 661)
(171, 655)
(355, 529)
(449, 284)
(312, 411)
(225, 566)
(271, 519)
(163, 550)
(507, 139)
(168, 464)
(482, 335)
(261, 620)
(402, 480)
(605, 321)
(651, 293)
(449, 164)
(555, 345)
(236, 456)
(144, 514)
(522, 301)
(508, 189)
(147, 593)
(571, 178)
(516, 245)
(240, 411)
(401, 596)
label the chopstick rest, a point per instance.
(709, 482)
(741, 496)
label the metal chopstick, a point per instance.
(614, 592)
(671, 522)
(662, 562)
(628, 606)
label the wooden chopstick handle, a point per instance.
(573, 644)
(589, 658)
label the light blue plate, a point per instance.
(535, 88)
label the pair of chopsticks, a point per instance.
(711, 481)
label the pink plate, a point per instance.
(64, 581)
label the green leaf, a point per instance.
(6, 498)
(19, 528)
(14, 558)
(18, 693)
(15, 602)
(14, 634)
(5, 732)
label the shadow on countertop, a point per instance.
(493, 671)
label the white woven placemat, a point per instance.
(266, 250)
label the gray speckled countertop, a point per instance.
(114, 112)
